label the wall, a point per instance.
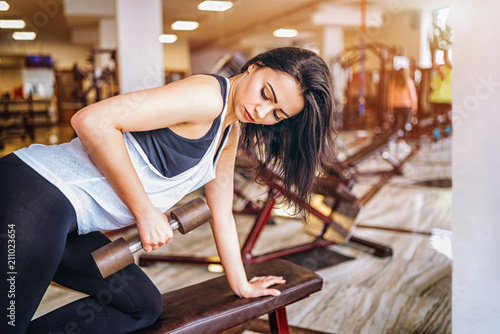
(177, 56)
(10, 79)
(39, 82)
(400, 28)
(204, 61)
(476, 161)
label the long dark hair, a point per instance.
(301, 147)
(400, 79)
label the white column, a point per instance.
(476, 195)
(333, 43)
(424, 59)
(107, 40)
(140, 54)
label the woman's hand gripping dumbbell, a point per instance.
(119, 254)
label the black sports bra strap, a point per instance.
(221, 144)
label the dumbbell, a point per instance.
(119, 254)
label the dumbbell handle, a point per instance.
(135, 244)
(119, 254)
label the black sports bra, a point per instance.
(172, 154)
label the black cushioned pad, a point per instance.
(211, 306)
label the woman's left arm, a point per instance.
(219, 193)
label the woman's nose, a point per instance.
(263, 110)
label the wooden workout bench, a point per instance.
(212, 307)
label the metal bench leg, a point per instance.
(278, 322)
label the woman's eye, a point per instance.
(276, 117)
(262, 92)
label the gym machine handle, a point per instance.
(119, 254)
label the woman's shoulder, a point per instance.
(195, 102)
(202, 84)
(197, 95)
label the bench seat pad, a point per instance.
(211, 306)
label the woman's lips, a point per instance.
(249, 117)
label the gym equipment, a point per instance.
(379, 146)
(102, 82)
(119, 254)
(346, 213)
(361, 92)
(24, 114)
(332, 219)
(212, 307)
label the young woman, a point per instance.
(136, 156)
(402, 100)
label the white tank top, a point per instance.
(69, 167)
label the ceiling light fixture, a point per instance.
(282, 33)
(185, 25)
(12, 24)
(4, 6)
(215, 6)
(23, 35)
(167, 38)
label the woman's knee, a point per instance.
(140, 298)
(151, 306)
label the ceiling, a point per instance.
(248, 19)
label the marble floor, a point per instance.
(409, 292)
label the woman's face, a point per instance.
(266, 96)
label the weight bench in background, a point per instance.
(212, 307)
(263, 215)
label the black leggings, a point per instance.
(38, 244)
(402, 116)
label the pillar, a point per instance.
(107, 41)
(140, 54)
(333, 43)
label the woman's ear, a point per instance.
(252, 67)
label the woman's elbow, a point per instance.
(79, 121)
(86, 122)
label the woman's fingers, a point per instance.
(157, 238)
(154, 230)
(261, 284)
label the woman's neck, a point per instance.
(231, 115)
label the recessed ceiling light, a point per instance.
(167, 38)
(215, 6)
(285, 33)
(12, 24)
(24, 35)
(185, 25)
(4, 6)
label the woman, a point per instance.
(402, 100)
(137, 155)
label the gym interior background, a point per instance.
(443, 270)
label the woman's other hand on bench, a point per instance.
(259, 286)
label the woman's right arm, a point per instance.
(100, 126)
